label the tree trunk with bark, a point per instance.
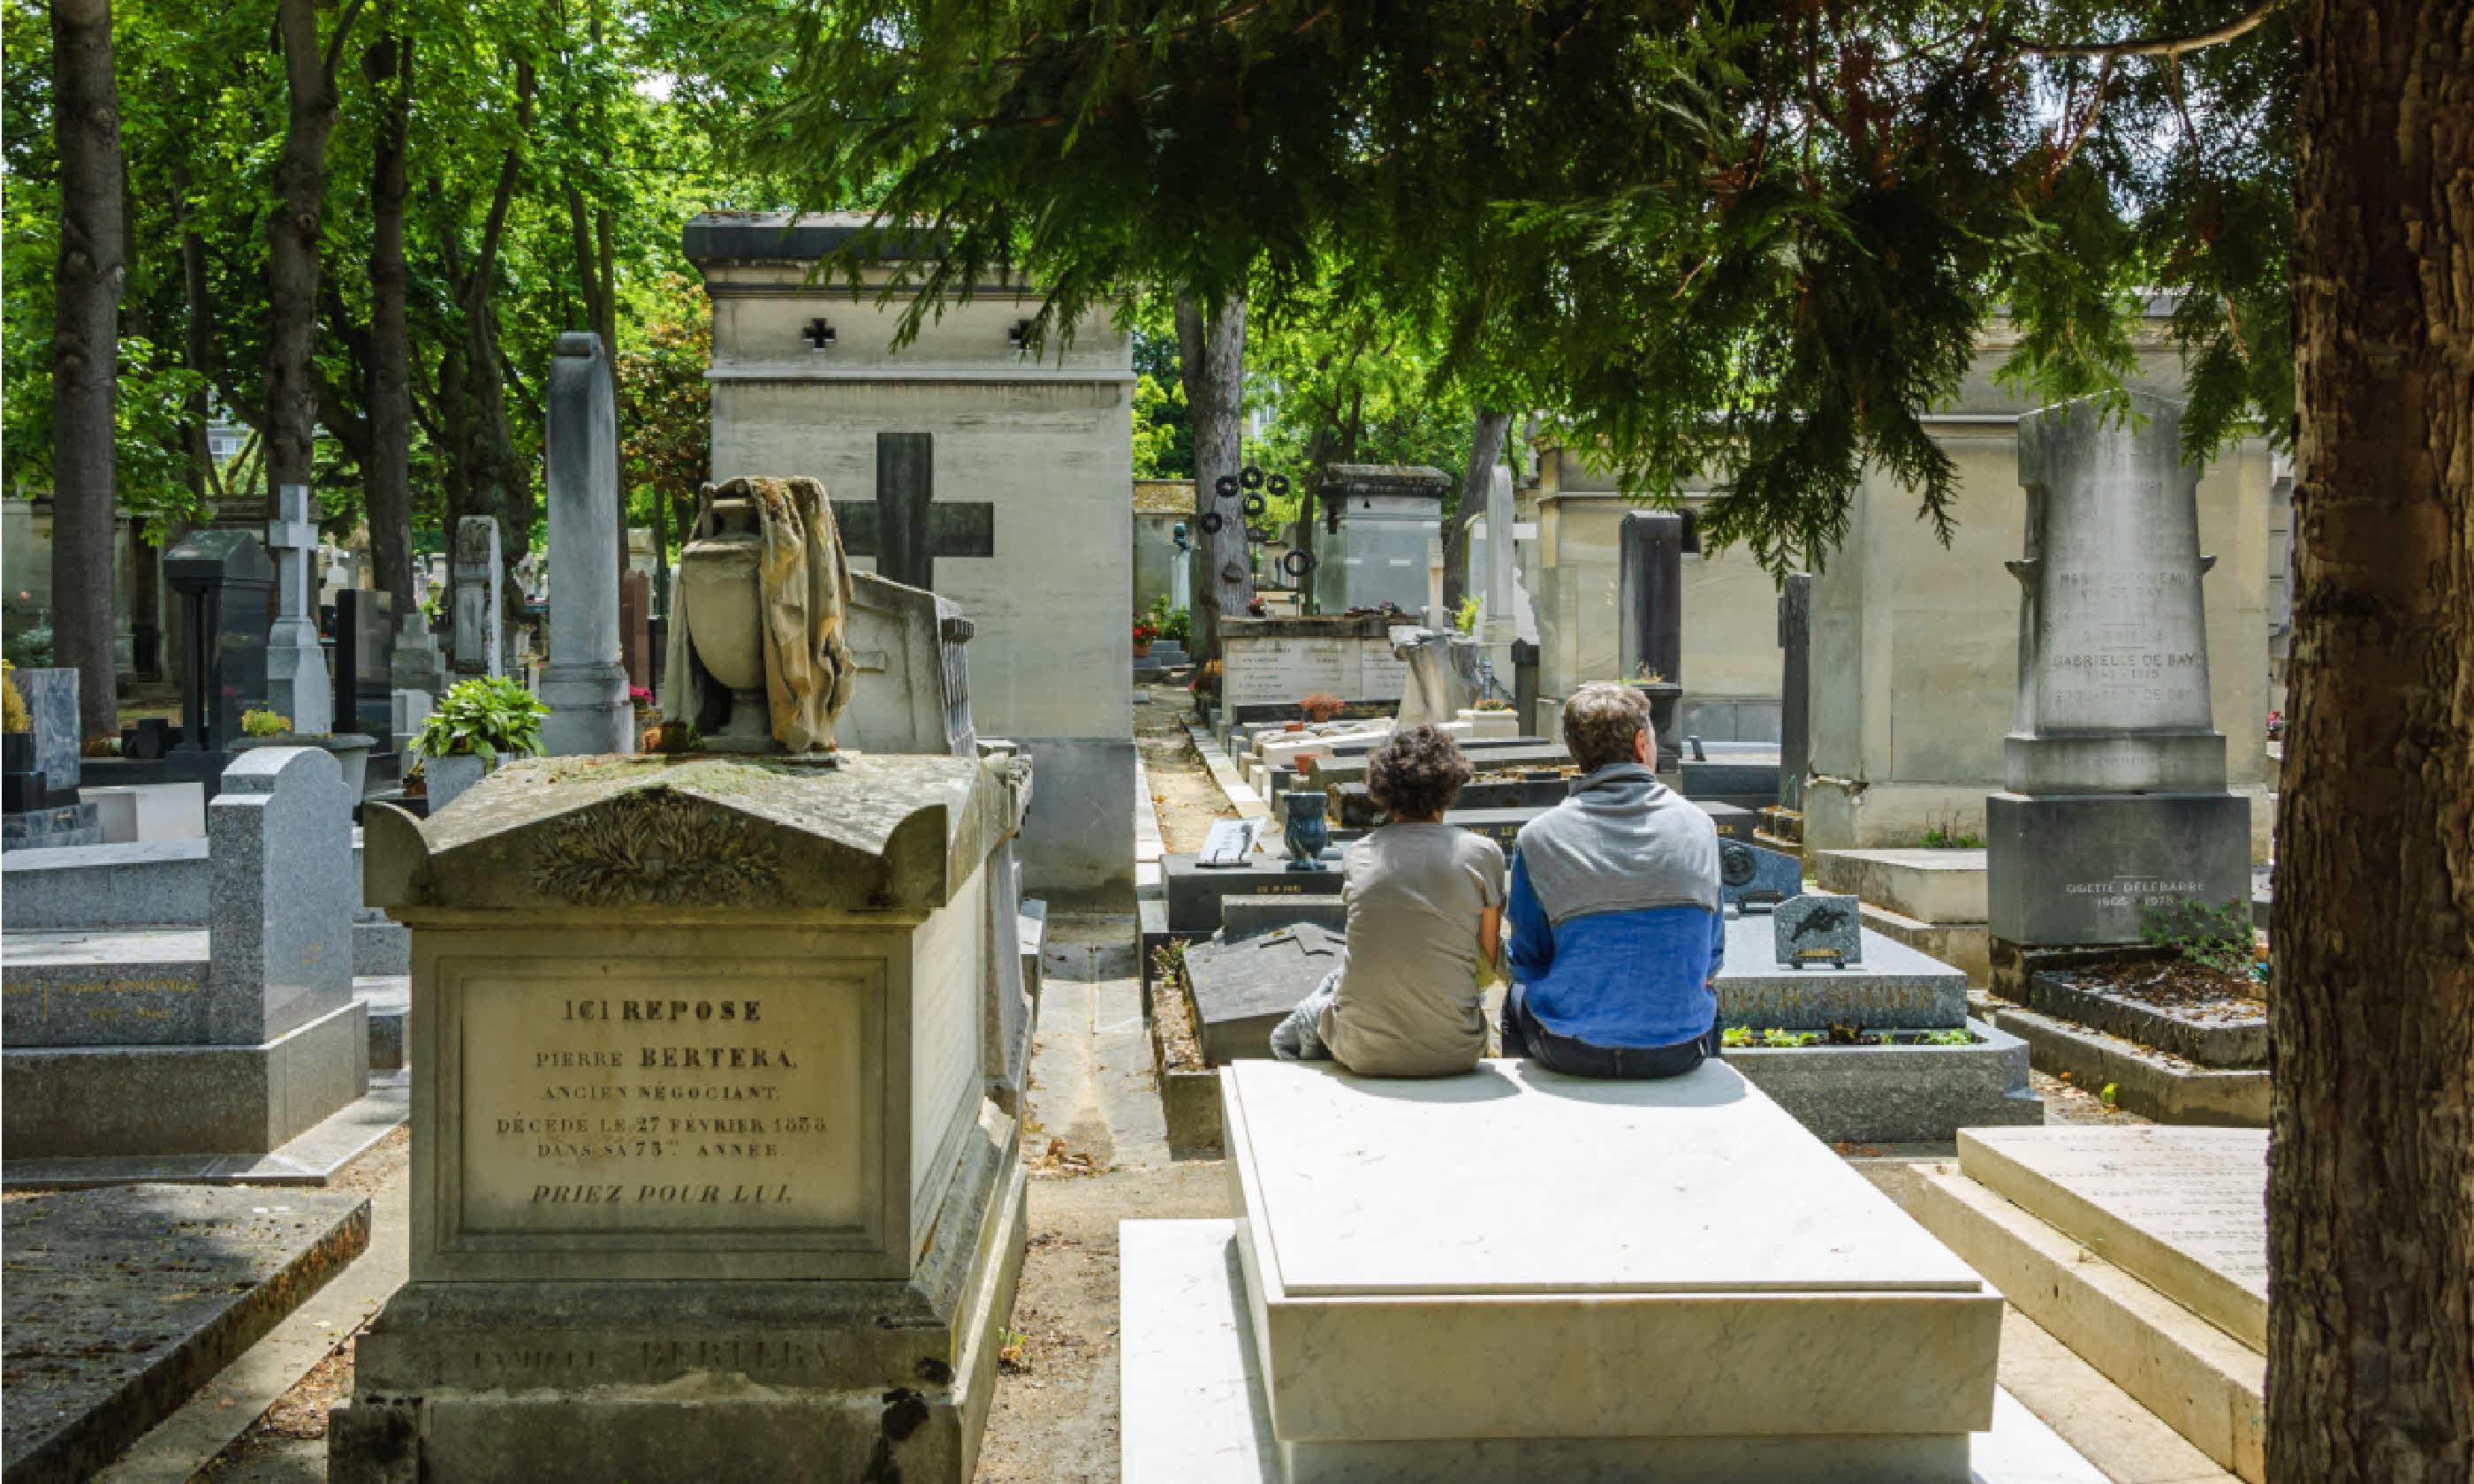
(291, 391)
(1486, 450)
(1211, 362)
(2370, 1345)
(388, 480)
(85, 342)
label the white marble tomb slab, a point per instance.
(1195, 1409)
(1518, 1253)
(2183, 1209)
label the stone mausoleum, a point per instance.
(1028, 530)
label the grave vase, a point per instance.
(722, 597)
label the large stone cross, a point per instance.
(297, 683)
(903, 528)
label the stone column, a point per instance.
(584, 683)
(297, 683)
(1502, 618)
(2116, 805)
(1795, 688)
(1650, 578)
(479, 649)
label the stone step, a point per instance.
(2200, 1381)
(2182, 1209)
(2153, 1084)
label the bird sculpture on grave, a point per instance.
(760, 662)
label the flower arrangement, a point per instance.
(259, 722)
(641, 700)
(1143, 633)
(1320, 706)
(13, 703)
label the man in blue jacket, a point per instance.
(1616, 932)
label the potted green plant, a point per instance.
(475, 722)
(265, 727)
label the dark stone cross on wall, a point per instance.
(904, 528)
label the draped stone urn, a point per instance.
(723, 599)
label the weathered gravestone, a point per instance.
(584, 684)
(221, 577)
(297, 687)
(480, 641)
(708, 1180)
(230, 1041)
(636, 629)
(1241, 989)
(2115, 803)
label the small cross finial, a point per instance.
(818, 335)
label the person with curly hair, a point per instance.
(1425, 912)
(1616, 929)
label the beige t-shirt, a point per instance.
(1407, 1005)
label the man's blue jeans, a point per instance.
(1524, 1036)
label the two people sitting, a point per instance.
(1616, 930)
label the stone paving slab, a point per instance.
(121, 1302)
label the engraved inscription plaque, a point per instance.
(630, 1099)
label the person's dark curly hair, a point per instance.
(1416, 773)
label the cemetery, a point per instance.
(1280, 745)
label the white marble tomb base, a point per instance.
(1195, 1409)
(1515, 1275)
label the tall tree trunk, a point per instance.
(1211, 361)
(2371, 1341)
(291, 392)
(1486, 450)
(388, 477)
(85, 353)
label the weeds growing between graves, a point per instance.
(2218, 938)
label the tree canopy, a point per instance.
(1758, 239)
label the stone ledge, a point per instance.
(153, 1291)
(1927, 885)
(1896, 1094)
(2145, 1082)
(312, 1159)
(2200, 1381)
(2225, 1044)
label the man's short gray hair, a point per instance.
(1601, 719)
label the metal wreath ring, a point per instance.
(1225, 486)
(1255, 504)
(1211, 522)
(1277, 483)
(1252, 478)
(1298, 564)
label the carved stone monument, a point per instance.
(761, 664)
(2115, 802)
(480, 644)
(584, 683)
(709, 1179)
(297, 683)
(1651, 584)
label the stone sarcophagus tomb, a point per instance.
(709, 1179)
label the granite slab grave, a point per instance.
(1817, 928)
(221, 577)
(41, 809)
(2223, 1033)
(136, 1043)
(1354, 808)
(1734, 821)
(122, 1302)
(1922, 1068)
(1726, 776)
(1241, 990)
(1488, 762)
(724, 1110)
(1832, 1338)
